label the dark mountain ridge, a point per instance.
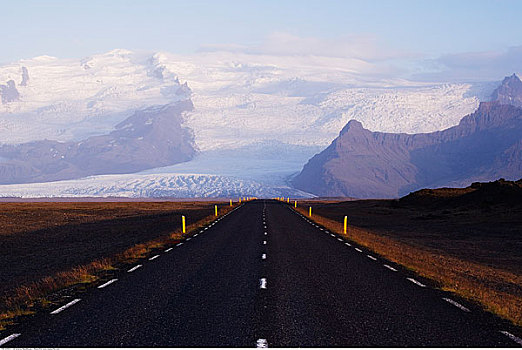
(486, 145)
(149, 138)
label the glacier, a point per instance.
(256, 120)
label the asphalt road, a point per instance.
(263, 275)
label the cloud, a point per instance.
(364, 47)
(366, 56)
(473, 66)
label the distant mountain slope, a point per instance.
(486, 145)
(151, 137)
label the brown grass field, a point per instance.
(470, 247)
(48, 246)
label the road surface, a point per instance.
(263, 276)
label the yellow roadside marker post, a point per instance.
(288, 200)
(295, 204)
(239, 200)
(183, 223)
(231, 202)
(215, 209)
(310, 212)
(345, 223)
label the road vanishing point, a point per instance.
(263, 276)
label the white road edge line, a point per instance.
(512, 337)
(390, 268)
(372, 257)
(135, 268)
(261, 343)
(65, 306)
(340, 239)
(262, 283)
(416, 282)
(16, 335)
(107, 283)
(454, 303)
(348, 244)
(154, 257)
(331, 234)
(168, 250)
(177, 245)
(360, 251)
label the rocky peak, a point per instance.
(509, 92)
(353, 125)
(8, 92)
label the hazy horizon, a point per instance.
(435, 41)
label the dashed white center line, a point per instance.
(168, 250)
(372, 257)
(511, 336)
(107, 283)
(154, 257)
(266, 233)
(196, 235)
(348, 244)
(263, 256)
(390, 268)
(201, 231)
(16, 335)
(360, 251)
(261, 343)
(331, 234)
(416, 282)
(188, 239)
(262, 283)
(177, 245)
(454, 303)
(65, 306)
(264, 242)
(340, 239)
(135, 268)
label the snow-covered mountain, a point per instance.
(242, 103)
(485, 146)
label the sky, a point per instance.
(453, 37)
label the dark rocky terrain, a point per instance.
(150, 138)
(486, 145)
(481, 223)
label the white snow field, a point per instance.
(257, 119)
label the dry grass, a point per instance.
(497, 290)
(16, 218)
(24, 298)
